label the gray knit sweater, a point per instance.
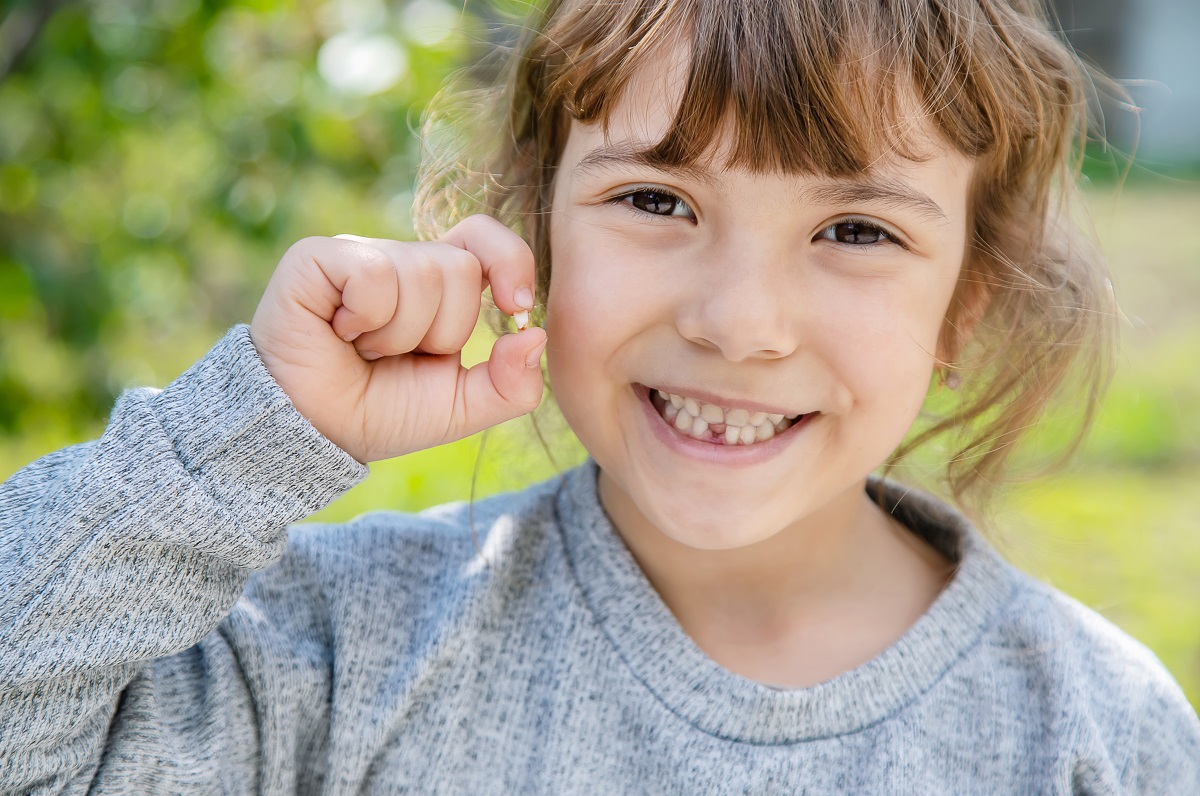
(162, 631)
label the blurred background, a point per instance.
(158, 156)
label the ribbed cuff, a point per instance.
(237, 433)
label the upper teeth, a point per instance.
(741, 426)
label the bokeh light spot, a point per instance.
(430, 23)
(362, 64)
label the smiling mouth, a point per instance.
(715, 424)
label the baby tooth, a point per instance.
(699, 427)
(691, 406)
(522, 320)
(669, 413)
(746, 435)
(712, 414)
(675, 400)
(737, 417)
(758, 418)
(683, 421)
(731, 434)
(764, 432)
(775, 419)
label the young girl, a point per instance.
(760, 230)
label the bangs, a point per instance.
(799, 86)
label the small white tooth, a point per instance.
(764, 432)
(775, 419)
(731, 434)
(691, 406)
(737, 417)
(675, 400)
(683, 421)
(783, 425)
(746, 435)
(758, 418)
(699, 427)
(712, 413)
(669, 413)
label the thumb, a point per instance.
(508, 385)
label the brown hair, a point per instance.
(827, 86)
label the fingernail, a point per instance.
(534, 358)
(370, 356)
(350, 337)
(523, 297)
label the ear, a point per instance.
(970, 302)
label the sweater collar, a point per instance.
(689, 683)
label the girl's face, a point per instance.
(815, 298)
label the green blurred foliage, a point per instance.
(156, 157)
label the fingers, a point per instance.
(344, 282)
(505, 259)
(440, 284)
(438, 302)
(389, 299)
(508, 385)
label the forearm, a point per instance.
(133, 548)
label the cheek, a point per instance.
(886, 338)
(603, 288)
(581, 321)
(577, 304)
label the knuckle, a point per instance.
(417, 259)
(306, 247)
(479, 221)
(499, 236)
(374, 263)
(460, 262)
(417, 270)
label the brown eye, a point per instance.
(857, 233)
(657, 203)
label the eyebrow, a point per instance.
(873, 189)
(632, 154)
(877, 190)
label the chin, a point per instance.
(701, 527)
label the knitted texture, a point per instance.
(162, 631)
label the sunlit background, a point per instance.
(157, 156)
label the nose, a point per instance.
(740, 304)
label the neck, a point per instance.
(802, 562)
(831, 563)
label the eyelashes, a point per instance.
(852, 232)
(859, 232)
(654, 201)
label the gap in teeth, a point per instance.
(712, 423)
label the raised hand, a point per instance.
(364, 335)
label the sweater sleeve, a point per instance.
(119, 558)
